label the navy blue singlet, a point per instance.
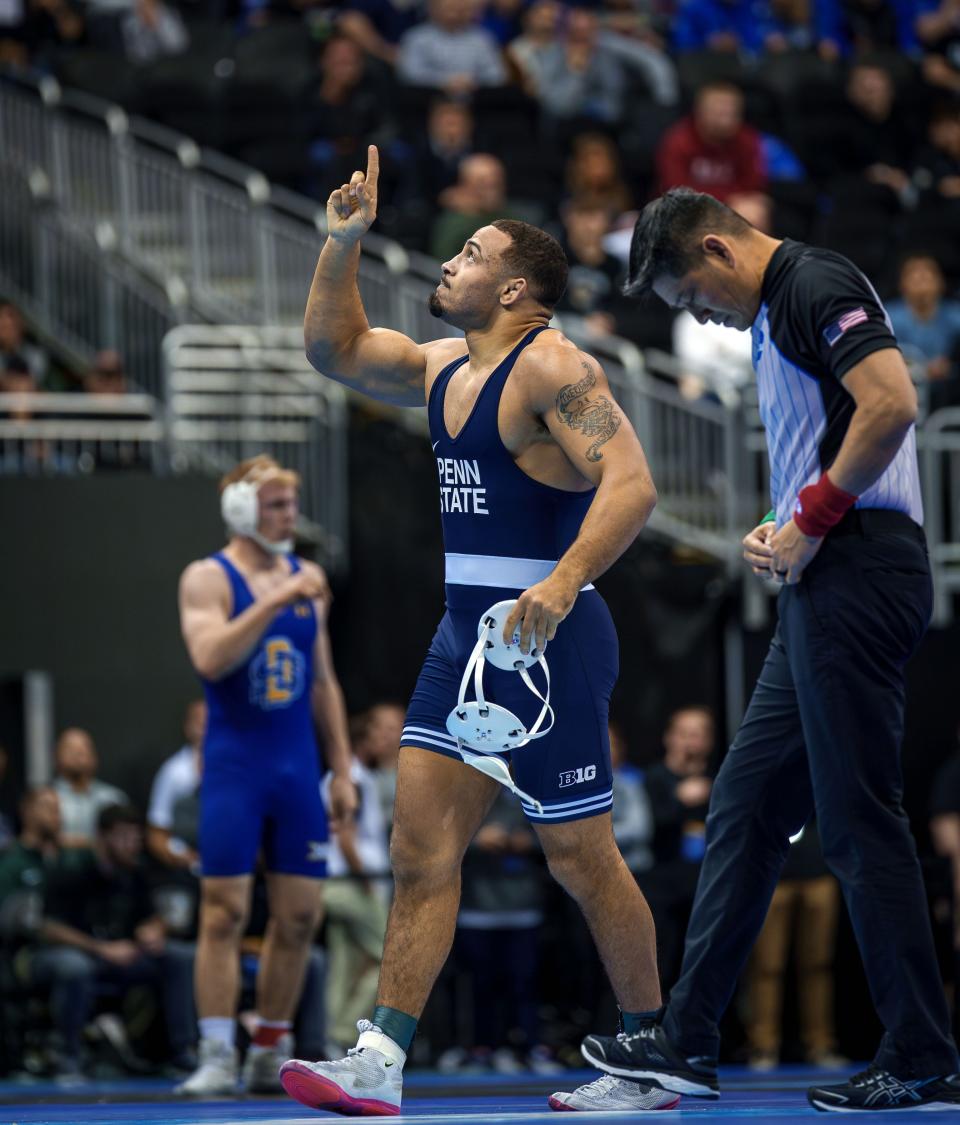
(504, 532)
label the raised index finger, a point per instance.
(373, 168)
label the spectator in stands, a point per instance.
(345, 110)
(679, 790)
(16, 378)
(178, 777)
(24, 867)
(355, 908)
(541, 33)
(435, 163)
(802, 917)
(378, 25)
(713, 150)
(632, 815)
(497, 937)
(852, 28)
(938, 30)
(713, 362)
(627, 33)
(871, 139)
(478, 197)
(502, 18)
(937, 165)
(6, 802)
(14, 342)
(593, 288)
(82, 795)
(107, 374)
(927, 326)
(593, 176)
(375, 738)
(100, 928)
(578, 77)
(449, 52)
(750, 28)
(152, 29)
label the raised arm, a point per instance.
(339, 341)
(569, 392)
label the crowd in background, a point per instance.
(832, 121)
(98, 915)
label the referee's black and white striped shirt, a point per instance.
(819, 316)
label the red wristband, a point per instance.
(820, 506)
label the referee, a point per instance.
(825, 721)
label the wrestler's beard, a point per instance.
(433, 303)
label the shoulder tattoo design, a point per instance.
(598, 418)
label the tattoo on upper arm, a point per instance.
(598, 418)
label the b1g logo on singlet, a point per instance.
(460, 488)
(276, 675)
(577, 776)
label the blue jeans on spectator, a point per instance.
(74, 979)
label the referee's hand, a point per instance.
(792, 553)
(756, 549)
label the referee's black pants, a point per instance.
(823, 729)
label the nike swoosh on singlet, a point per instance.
(435, 444)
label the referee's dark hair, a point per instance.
(666, 239)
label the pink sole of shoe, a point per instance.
(312, 1090)
(562, 1107)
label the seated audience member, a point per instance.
(713, 150)
(594, 177)
(152, 29)
(927, 327)
(8, 801)
(343, 111)
(478, 197)
(802, 917)
(375, 738)
(679, 789)
(82, 794)
(853, 28)
(632, 815)
(936, 172)
(378, 25)
(497, 942)
(578, 76)
(99, 929)
(107, 375)
(450, 52)
(714, 362)
(178, 777)
(25, 865)
(541, 34)
(355, 908)
(938, 31)
(14, 342)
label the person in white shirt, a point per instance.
(356, 909)
(178, 777)
(82, 795)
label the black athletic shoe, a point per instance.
(875, 1089)
(649, 1056)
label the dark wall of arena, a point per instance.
(91, 597)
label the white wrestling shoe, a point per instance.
(615, 1095)
(261, 1067)
(217, 1071)
(368, 1082)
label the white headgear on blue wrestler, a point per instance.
(483, 730)
(240, 507)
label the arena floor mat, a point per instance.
(776, 1096)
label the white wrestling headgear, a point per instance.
(240, 509)
(483, 730)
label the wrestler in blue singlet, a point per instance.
(504, 532)
(261, 770)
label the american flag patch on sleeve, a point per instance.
(833, 332)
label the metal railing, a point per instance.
(51, 434)
(234, 392)
(115, 229)
(940, 466)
